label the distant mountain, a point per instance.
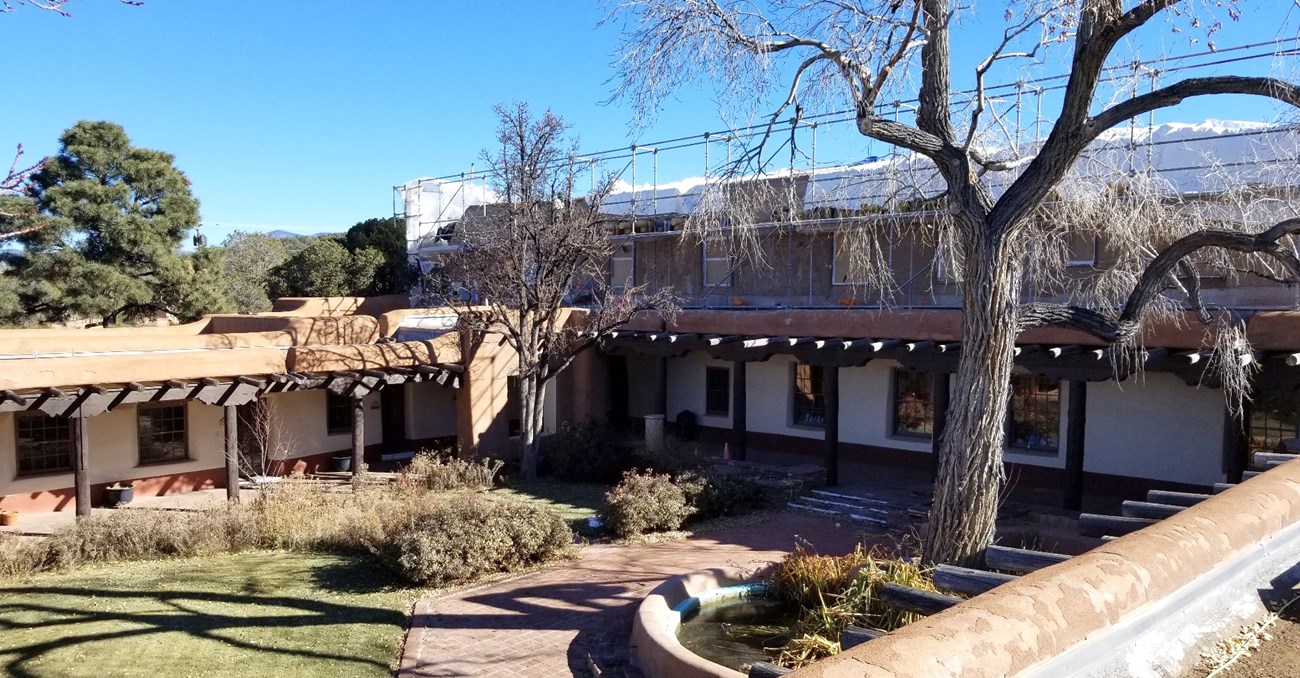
(282, 234)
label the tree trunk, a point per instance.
(964, 513)
(532, 396)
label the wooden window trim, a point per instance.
(141, 411)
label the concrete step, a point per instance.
(853, 498)
(819, 502)
(876, 520)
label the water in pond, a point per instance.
(735, 634)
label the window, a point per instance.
(1081, 249)
(717, 391)
(809, 396)
(44, 444)
(160, 433)
(717, 265)
(1272, 419)
(1034, 420)
(843, 272)
(338, 414)
(913, 404)
(622, 266)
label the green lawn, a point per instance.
(242, 615)
(575, 502)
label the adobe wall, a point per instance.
(27, 373)
(1144, 604)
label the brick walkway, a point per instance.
(547, 623)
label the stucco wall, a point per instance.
(1155, 427)
(300, 427)
(430, 411)
(113, 450)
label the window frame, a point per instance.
(48, 423)
(143, 410)
(625, 251)
(710, 390)
(814, 414)
(728, 278)
(1010, 424)
(332, 402)
(895, 401)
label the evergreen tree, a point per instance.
(115, 217)
(325, 268)
(396, 273)
(249, 260)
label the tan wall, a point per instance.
(120, 369)
(114, 452)
(339, 306)
(481, 404)
(430, 411)
(444, 349)
(300, 428)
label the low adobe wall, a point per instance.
(654, 639)
(339, 306)
(1145, 604)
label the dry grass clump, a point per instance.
(303, 515)
(432, 472)
(835, 592)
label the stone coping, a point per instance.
(1027, 622)
(655, 646)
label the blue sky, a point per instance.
(302, 116)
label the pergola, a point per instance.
(1076, 364)
(76, 403)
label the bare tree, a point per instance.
(526, 259)
(994, 209)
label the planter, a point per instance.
(342, 463)
(8, 519)
(119, 495)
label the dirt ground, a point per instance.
(1277, 657)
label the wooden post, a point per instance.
(1235, 449)
(358, 434)
(738, 424)
(232, 453)
(940, 389)
(81, 464)
(831, 395)
(1076, 420)
(661, 386)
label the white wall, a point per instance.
(1155, 427)
(301, 427)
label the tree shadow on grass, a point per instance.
(70, 617)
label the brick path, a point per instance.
(547, 623)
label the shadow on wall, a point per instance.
(373, 356)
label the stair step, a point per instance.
(850, 497)
(837, 505)
(842, 515)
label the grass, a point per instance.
(574, 502)
(241, 615)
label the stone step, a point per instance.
(840, 496)
(838, 505)
(849, 516)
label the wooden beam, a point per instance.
(967, 581)
(1236, 450)
(1223, 487)
(358, 435)
(232, 453)
(1058, 351)
(1075, 424)
(1176, 498)
(831, 424)
(1096, 525)
(14, 398)
(738, 406)
(81, 465)
(853, 636)
(940, 391)
(1146, 509)
(660, 387)
(915, 600)
(1020, 561)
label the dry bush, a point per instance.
(429, 471)
(835, 592)
(645, 502)
(467, 537)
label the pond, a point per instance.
(736, 628)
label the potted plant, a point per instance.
(8, 518)
(120, 493)
(343, 462)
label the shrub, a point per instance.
(432, 472)
(645, 502)
(584, 453)
(469, 536)
(677, 457)
(715, 494)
